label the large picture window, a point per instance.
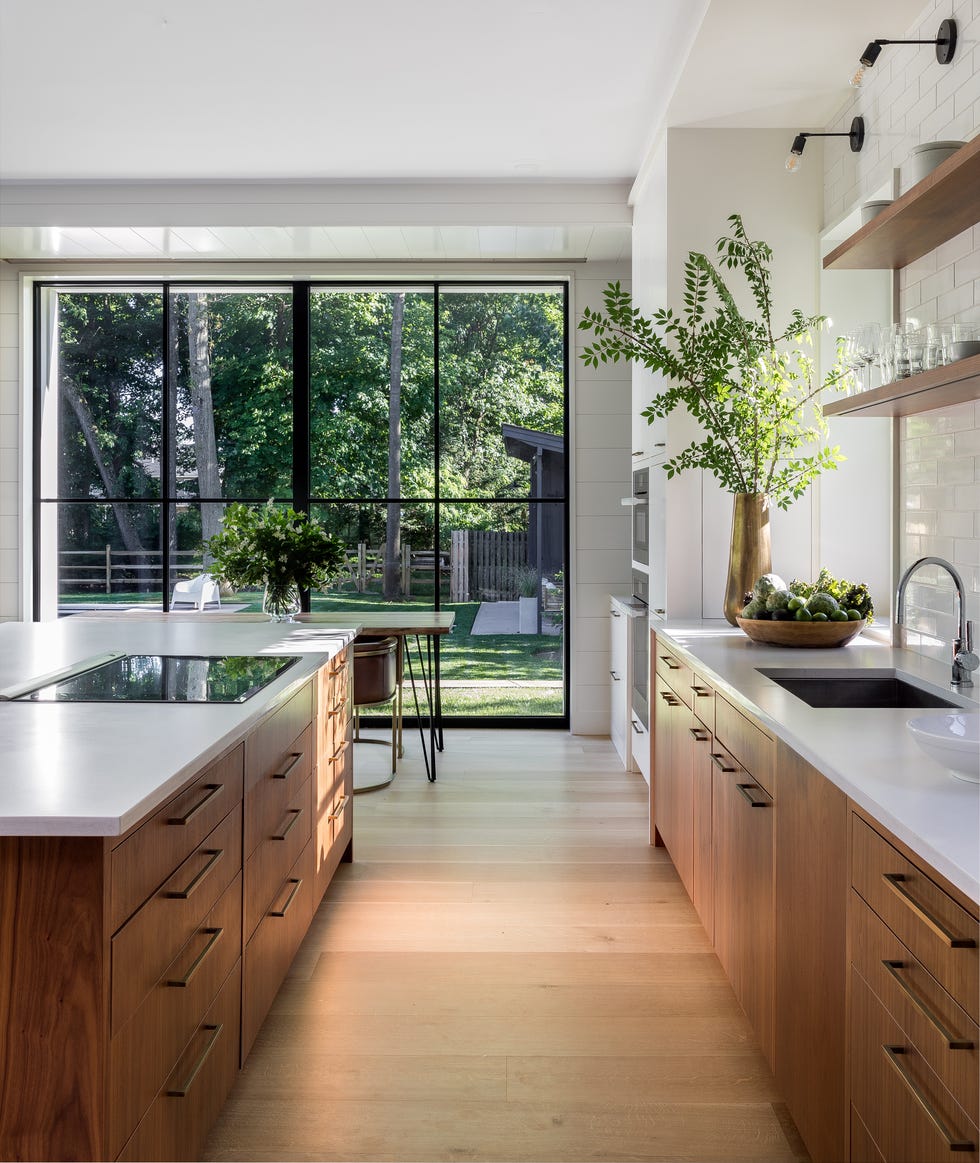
(423, 423)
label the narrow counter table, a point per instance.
(404, 624)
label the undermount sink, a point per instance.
(952, 740)
(864, 689)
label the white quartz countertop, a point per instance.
(868, 753)
(96, 769)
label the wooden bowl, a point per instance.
(802, 634)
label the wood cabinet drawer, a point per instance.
(145, 1050)
(271, 950)
(938, 932)
(863, 1148)
(276, 853)
(748, 743)
(675, 672)
(703, 701)
(908, 1113)
(942, 1031)
(177, 1123)
(270, 741)
(269, 796)
(150, 941)
(149, 855)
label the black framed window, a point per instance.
(423, 422)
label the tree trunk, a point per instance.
(202, 414)
(392, 578)
(120, 510)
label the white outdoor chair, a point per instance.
(198, 592)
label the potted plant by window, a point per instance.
(275, 547)
(525, 580)
(752, 391)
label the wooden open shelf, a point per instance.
(945, 203)
(957, 383)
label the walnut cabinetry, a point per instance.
(135, 971)
(856, 963)
(914, 998)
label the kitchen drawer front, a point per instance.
(675, 672)
(146, 858)
(146, 1049)
(939, 933)
(271, 950)
(943, 1033)
(703, 701)
(269, 743)
(177, 1123)
(269, 797)
(863, 1148)
(751, 746)
(908, 1113)
(144, 947)
(284, 839)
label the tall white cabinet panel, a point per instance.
(620, 680)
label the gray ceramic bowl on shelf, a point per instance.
(963, 348)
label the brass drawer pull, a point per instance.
(295, 813)
(296, 883)
(339, 668)
(183, 893)
(294, 757)
(215, 1035)
(894, 881)
(212, 791)
(745, 791)
(339, 753)
(719, 762)
(669, 662)
(702, 692)
(699, 734)
(669, 699)
(183, 982)
(338, 810)
(951, 1040)
(892, 1053)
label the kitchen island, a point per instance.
(160, 863)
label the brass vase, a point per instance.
(751, 549)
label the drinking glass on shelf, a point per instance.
(869, 347)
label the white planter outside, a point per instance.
(527, 615)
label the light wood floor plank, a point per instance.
(508, 971)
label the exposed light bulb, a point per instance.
(855, 81)
(793, 162)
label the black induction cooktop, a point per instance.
(166, 678)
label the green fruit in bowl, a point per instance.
(839, 616)
(766, 584)
(753, 609)
(854, 615)
(819, 617)
(822, 603)
(778, 600)
(803, 615)
(795, 603)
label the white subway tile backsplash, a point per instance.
(953, 524)
(955, 304)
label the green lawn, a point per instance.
(488, 664)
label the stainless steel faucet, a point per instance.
(964, 660)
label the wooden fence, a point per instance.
(484, 564)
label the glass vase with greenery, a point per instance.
(278, 548)
(752, 389)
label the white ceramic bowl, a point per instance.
(964, 348)
(924, 158)
(872, 209)
(951, 738)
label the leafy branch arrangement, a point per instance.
(754, 396)
(275, 547)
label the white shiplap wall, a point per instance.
(10, 459)
(907, 99)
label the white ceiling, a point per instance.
(383, 93)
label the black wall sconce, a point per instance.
(945, 43)
(855, 135)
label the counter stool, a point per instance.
(376, 684)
